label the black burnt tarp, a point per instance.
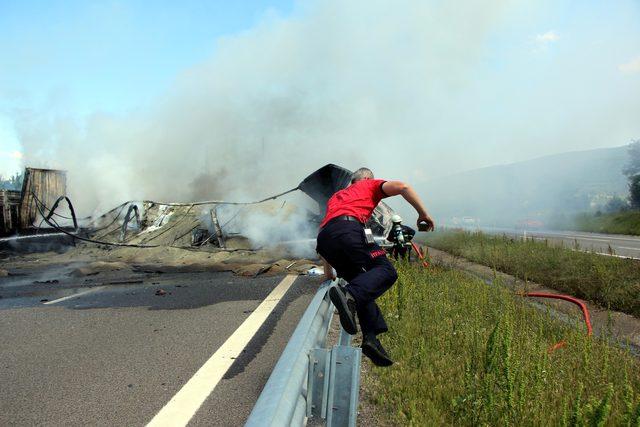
(327, 180)
(321, 184)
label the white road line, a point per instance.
(183, 406)
(616, 256)
(68, 297)
(627, 248)
(604, 239)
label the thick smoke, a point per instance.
(355, 83)
(413, 89)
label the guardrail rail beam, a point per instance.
(310, 380)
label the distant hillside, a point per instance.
(545, 189)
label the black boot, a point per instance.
(372, 348)
(346, 306)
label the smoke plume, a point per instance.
(412, 89)
(346, 82)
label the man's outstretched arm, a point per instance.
(394, 188)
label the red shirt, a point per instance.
(357, 200)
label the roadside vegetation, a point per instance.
(620, 215)
(611, 282)
(13, 183)
(471, 354)
(624, 222)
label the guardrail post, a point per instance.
(345, 338)
(310, 379)
(344, 384)
(318, 382)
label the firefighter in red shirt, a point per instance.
(364, 265)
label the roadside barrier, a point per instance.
(311, 381)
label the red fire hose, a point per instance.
(576, 301)
(420, 255)
(582, 305)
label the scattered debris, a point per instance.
(98, 267)
(46, 282)
(199, 236)
(217, 228)
(124, 282)
(262, 270)
(251, 270)
(315, 271)
(286, 266)
(290, 265)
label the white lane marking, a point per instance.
(97, 288)
(586, 237)
(606, 254)
(602, 253)
(186, 402)
(627, 248)
(594, 236)
(569, 237)
(616, 256)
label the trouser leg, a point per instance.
(366, 288)
(378, 277)
(365, 267)
(371, 318)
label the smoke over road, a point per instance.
(336, 81)
(414, 90)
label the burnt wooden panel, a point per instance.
(47, 185)
(9, 204)
(5, 212)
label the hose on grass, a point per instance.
(576, 301)
(416, 248)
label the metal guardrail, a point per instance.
(311, 381)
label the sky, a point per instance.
(128, 91)
(82, 57)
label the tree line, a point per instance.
(632, 172)
(11, 183)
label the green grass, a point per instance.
(471, 354)
(611, 282)
(614, 223)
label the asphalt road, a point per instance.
(615, 244)
(115, 354)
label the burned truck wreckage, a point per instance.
(201, 226)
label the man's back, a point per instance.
(357, 200)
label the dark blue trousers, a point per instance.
(364, 266)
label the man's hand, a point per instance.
(328, 276)
(429, 222)
(328, 270)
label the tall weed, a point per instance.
(471, 354)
